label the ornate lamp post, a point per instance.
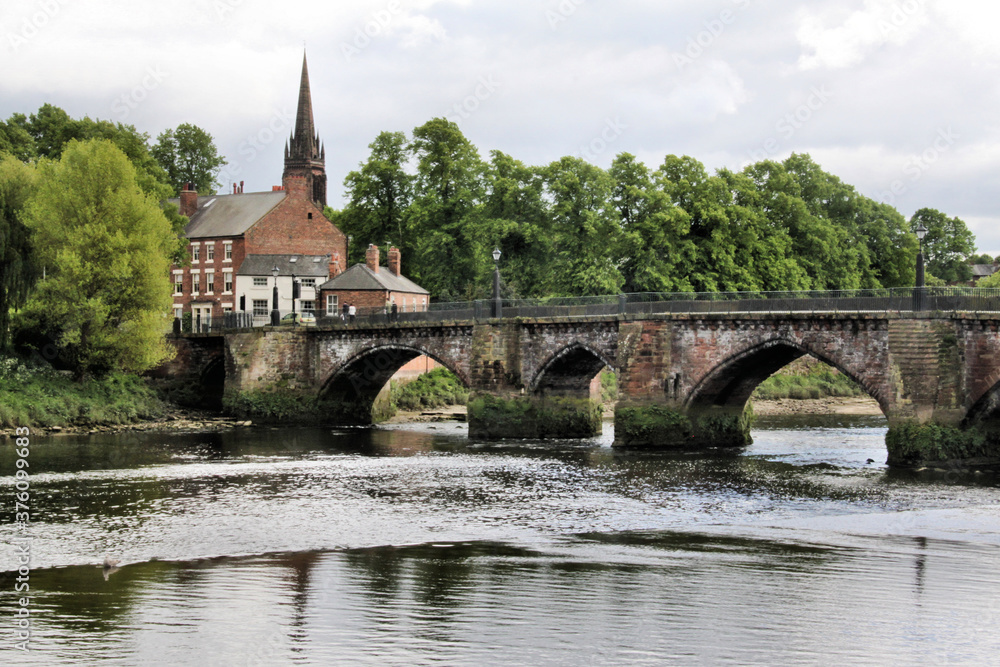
(275, 313)
(497, 303)
(919, 295)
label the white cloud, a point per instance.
(881, 22)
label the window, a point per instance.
(309, 282)
(331, 305)
(178, 283)
(178, 312)
(227, 249)
(308, 307)
(259, 282)
(195, 283)
(227, 309)
(227, 279)
(260, 307)
(209, 281)
(195, 252)
(209, 252)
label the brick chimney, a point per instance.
(371, 257)
(335, 269)
(394, 261)
(189, 200)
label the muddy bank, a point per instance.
(818, 406)
(176, 419)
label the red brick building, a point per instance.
(225, 230)
(368, 287)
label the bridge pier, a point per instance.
(669, 426)
(513, 399)
(493, 417)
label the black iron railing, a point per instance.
(872, 302)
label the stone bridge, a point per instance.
(684, 379)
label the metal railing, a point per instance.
(872, 302)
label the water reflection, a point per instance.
(410, 545)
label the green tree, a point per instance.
(106, 247)
(992, 281)
(379, 195)
(947, 245)
(448, 190)
(188, 155)
(515, 220)
(586, 228)
(18, 269)
(655, 246)
(15, 138)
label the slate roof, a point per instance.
(359, 277)
(983, 270)
(304, 266)
(229, 215)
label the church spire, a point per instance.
(304, 157)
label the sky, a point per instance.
(898, 98)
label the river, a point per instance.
(412, 545)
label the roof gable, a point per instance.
(359, 278)
(303, 266)
(230, 215)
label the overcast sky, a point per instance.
(896, 97)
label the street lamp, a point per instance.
(918, 295)
(275, 313)
(497, 303)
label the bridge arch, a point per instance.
(569, 371)
(212, 383)
(731, 382)
(986, 410)
(349, 392)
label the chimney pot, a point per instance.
(394, 260)
(189, 201)
(371, 257)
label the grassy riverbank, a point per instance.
(40, 397)
(435, 389)
(806, 379)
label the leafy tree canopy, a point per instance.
(18, 269)
(188, 155)
(946, 246)
(106, 246)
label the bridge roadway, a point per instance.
(684, 378)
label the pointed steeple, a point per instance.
(304, 157)
(304, 138)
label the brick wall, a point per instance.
(219, 266)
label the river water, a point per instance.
(412, 545)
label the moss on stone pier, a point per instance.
(494, 417)
(913, 444)
(656, 425)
